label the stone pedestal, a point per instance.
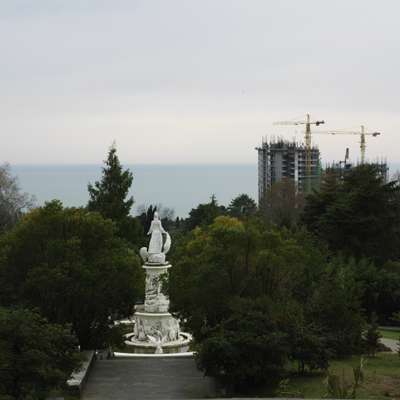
(155, 300)
(155, 324)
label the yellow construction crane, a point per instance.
(362, 134)
(307, 139)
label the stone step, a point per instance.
(147, 378)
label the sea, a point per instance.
(177, 187)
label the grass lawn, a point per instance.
(390, 334)
(381, 378)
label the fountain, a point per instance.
(156, 330)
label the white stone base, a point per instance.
(155, 300)
(174, 347)
(159, 325)
(188, 354)
(156, 331)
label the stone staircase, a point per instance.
(147, 378)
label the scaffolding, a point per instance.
(280, 159)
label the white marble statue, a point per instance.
(157, 248)
(155, 328)
(158, 341)
(156, 241)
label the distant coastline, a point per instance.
(177, 186)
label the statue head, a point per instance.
(156, 215)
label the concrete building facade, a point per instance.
(280, 159)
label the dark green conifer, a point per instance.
(109, 195)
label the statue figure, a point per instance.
(156, 241)
(157, 248)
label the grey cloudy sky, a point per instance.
(177, 81)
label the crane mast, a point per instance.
(308, 151)
(363, 145)
(361, 133)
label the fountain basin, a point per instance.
(181, 345)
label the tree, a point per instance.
(381, 288)
(35, 356)
(13, 203)
(242, 206)
(338, 293)
(109, 197)
(71, 265)
(204, 214)
(204, 278)
(254, 292)
(282, 204)
(358, 216)
(247, 350)
(309, 348)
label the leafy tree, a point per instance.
(247, 350)
(109, 197)
(381, 288)
(13, 202)
(388, 299)
(35, 356)
(70, 264)
(338, 294)
(209, 267)
(204, 214)
(282, 204)
(242, 206)
(309, 348)
(359, 215)
(282, 276)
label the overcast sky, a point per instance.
(178, 81)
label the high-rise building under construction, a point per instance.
(279, 159)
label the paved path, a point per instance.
(147, 378)
(391, 343)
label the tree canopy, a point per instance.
(204, 214)
(246, 289)
(242, 206)
(13, 203)
(110, 197)
(35, 356)
(257, 289)
(282, 204)
(71, 265)
(359, 215)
